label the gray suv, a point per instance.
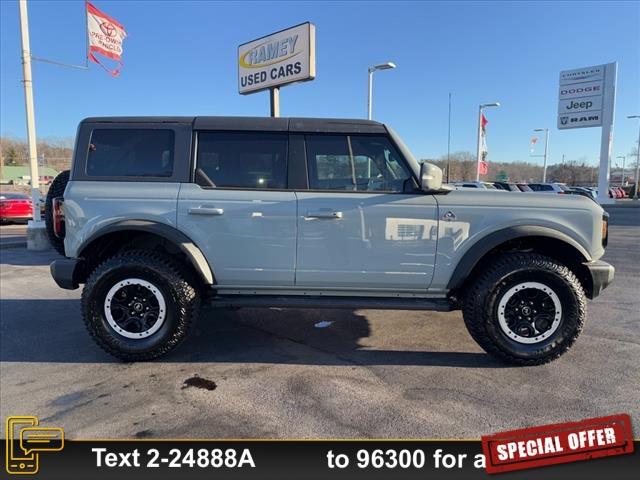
(160, 214)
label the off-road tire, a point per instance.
(481, 300)
(181, 297)
(56, 189)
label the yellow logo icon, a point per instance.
(25, 440)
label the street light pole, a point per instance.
(449, 143)
(36, 234)
(369, 94)
(479, 149)
(546, 150)
(382, 66)
(623, 157)
(635, 194)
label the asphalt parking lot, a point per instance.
(275, 373)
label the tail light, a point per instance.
(605, 229)
(58, 217)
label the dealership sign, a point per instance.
(278, 59)
(581, 97)
(587, 98)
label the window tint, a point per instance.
(354, 163)
(242, 160)
(131, 152)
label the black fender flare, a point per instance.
(484, 245)
(169, 233)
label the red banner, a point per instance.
(559, 443)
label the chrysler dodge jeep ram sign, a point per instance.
(283, 57)
(580, 97)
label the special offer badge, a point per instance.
(558, 443)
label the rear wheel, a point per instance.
(138, 306)
(525, 309)
(56, 189)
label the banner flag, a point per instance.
(105, 37)
(483, 148)
(534, 140)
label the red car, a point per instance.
(15, 206)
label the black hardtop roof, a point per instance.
(280, 124)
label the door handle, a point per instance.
(324, 213)
(202, 210)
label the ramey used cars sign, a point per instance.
(278, 59)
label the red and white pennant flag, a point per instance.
(106, 35)
(483, 167)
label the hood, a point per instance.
(501, 198)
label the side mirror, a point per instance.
(430, 177)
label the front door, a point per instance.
(238, 211)
(362, 225)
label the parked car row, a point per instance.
(514, 187)
(548, 187)
(617, 192)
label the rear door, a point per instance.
(239, 211)
(362, 224)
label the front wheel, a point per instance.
(138, 306)
(525, 309)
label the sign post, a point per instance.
(36, 233)
(284, 57)
(274, 97)
(587, 98)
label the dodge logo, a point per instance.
(108, 29)
(563, 120)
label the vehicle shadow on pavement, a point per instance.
(52, 331)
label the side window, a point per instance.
(242, 160)
(130, 153)
(354, 163)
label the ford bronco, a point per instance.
(160, 214)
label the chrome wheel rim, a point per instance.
(135, 308)
(529, 312)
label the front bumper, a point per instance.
(601, 276)
(65, 272)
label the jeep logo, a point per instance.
(585, 105)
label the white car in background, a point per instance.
(477, 185)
